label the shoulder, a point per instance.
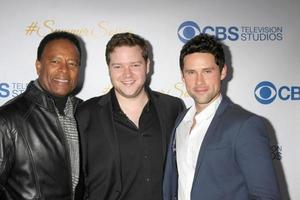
(168, 104)
(92, 103)
(242, 125)
(235, 115)
(238, 111)
(231, 109)
(165, 98)
(15, 111)
(19, 104)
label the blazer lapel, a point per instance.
(106, 115)
(209, 136)
(161, 118)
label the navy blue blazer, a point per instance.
(234, 161)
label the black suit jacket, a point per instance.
(100, 149)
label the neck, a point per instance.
(200, 107)
(133, 107)
(132, 102)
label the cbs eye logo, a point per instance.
(265, 92)
(187, 30)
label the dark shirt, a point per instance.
(141, 153)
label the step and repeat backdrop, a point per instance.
(261, 41)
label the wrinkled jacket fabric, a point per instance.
(34, 157)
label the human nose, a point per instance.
(199, 78)
(127, 71)
(63, 67)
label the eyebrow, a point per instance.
(201, 67)
(206, 68)
(134, 62)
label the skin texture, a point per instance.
(202, 78)
(58, 67)
(128, 71)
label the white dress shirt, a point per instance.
(188, 143)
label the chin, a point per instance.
(129, 95)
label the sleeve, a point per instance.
(254, 159)
(81, 118)
(6, 151)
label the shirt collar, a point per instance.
(116, 106)
(59, 102)
(209, 111)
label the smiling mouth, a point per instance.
(61, 80)
(128, 82)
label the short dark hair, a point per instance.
(126, 39)
(56, 36)
(204, 43)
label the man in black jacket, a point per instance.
(39, 149)
(125, 133)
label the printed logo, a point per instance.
(100, 29)
(8, 90)
(266, 92)
(189, 29)
(4, 90)
(276, 152)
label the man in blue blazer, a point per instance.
(218, 150)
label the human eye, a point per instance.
(54, 61)
(116, 66)
(189, 72)
(137, 65)
(208, 71)
(73, 64)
